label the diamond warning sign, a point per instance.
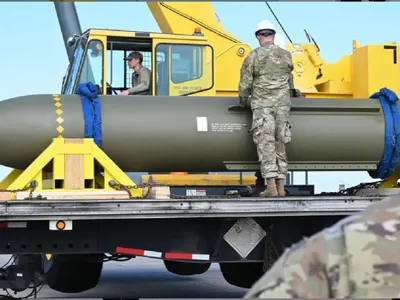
(244, 236)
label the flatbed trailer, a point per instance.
(244, 235)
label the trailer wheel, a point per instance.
(242, 274)
(32, 264)
(184, 268)
(73, 273)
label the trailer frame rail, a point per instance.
(16, 210)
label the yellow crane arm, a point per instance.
(184, 17)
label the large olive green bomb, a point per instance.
(195, 134)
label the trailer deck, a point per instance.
(30, 210)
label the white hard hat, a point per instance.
(265, 25)
(280, 40)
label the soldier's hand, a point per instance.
(125, 93)
(238, 107)
(242, 105)
(243, 101)
(295, 93)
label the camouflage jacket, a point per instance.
(266, 76)
(359, 257)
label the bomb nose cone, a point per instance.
(27, 126)
(22, 120)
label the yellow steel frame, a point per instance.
(392, 181)
(56, 153)
(10, 178)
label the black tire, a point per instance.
(184, 268)
(74, 273)
(242, 274)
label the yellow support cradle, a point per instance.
(68, 165)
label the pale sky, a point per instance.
(33, 57)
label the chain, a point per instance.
(16, 190)
(150, 186)
(31, 187)
(351, 191)
(127, 188)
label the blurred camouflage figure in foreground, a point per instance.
(357, 257)
(266, 77)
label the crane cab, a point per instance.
(181, 65)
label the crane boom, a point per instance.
(182, 17)
(69, 24)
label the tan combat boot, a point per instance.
(271, 190)
(280, 185)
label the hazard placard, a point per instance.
(244, 236)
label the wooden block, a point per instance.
(5, 196)
(199, 179)
(47, 183)
(117, 195)
(74, 168)
(159, 192)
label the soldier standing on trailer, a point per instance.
(266, 77)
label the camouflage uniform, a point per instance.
(359, 257)
(266, 76)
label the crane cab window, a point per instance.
(92, 69)
(119, 75)
(183, 69)
(87, 66)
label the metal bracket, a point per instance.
(306, 166)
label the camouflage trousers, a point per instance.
(271, 133)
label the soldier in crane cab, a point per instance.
(141, 77)
(265, 80)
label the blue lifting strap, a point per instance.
(388, 100)
(91, 109)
